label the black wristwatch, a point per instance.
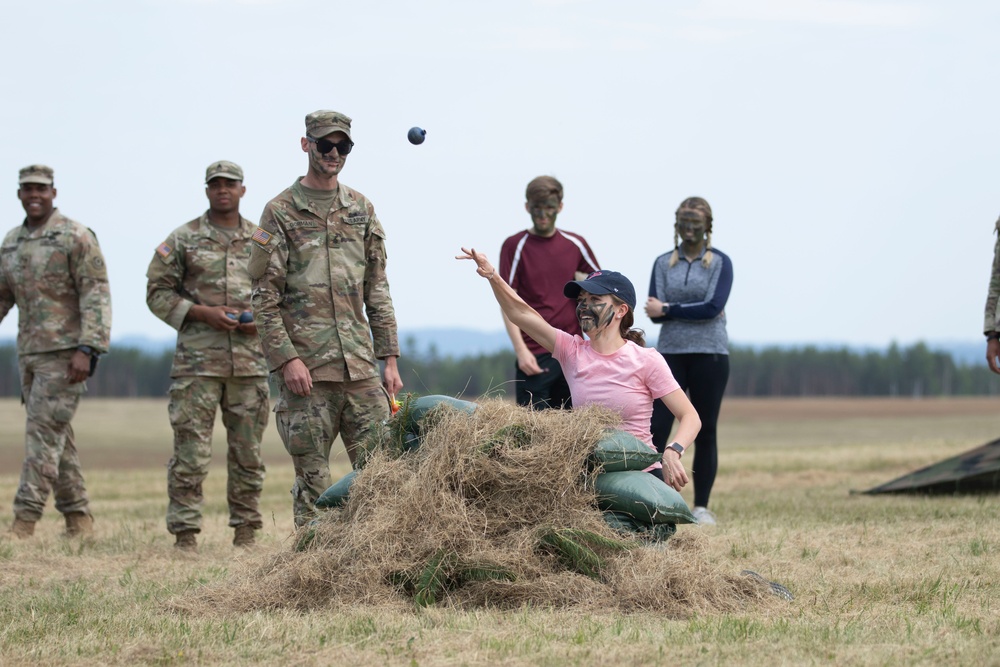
(666, 307)
(677, 448)
(89, 351)
(993, 335)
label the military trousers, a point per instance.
(308, 425)
(51, 463)
(193, 401)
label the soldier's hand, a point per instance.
(297, 377)
(248, 328)
(220, 318)
(528, 364)
(391, 380)
(992, 352)
(79, 367)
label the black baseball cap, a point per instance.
(603, 282)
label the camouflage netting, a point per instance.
(495, 508)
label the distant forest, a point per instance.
(913, 371)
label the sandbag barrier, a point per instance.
(496, 509)
(633, 502)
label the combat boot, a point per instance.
(79, 524)
(22, 530)
(186, 540)
(244, 537)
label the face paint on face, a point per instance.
(594, 313)
(330, 164)
(543, 215)
(691, 225)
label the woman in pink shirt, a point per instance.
(612, 367)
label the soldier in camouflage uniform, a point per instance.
(52, 269)
(198, 284)
(991, 323)
(318, 267)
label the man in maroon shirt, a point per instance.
(538, 263)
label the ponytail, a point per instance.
(637, 336)
(706, 259)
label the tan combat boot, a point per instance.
(244, 537)
(186, 540)
(79, 524)
(22, 530)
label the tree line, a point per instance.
(914, 371)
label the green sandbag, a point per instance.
(618, 451)
(336, 495)
(641, 496)
(651, 532)
(417, 409)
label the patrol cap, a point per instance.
(603, 282)
(225, 169)
(321, 123)
(36, 173)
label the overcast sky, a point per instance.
(849, 149)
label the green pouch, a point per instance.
(618, 451)
(336, 495)
(641, 496)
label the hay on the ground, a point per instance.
(495, 508)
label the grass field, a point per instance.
(877, 580)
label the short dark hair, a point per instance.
(542, 187)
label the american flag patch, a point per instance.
(164, 250)
(261, 237)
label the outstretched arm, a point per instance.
(513, 306)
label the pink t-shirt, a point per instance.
(627, 380)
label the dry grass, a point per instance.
(481, 494)
(878, 580)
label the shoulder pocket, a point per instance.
(260, 257)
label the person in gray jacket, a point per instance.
(687, 296)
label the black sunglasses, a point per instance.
(324, 146)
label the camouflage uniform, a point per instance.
(55, 275)
(199, 264)
(990, 322)
(315, 276)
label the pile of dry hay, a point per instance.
(493, 509)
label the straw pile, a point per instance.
(493, 509)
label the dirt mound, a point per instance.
(495, 508)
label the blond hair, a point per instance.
(698, 204)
